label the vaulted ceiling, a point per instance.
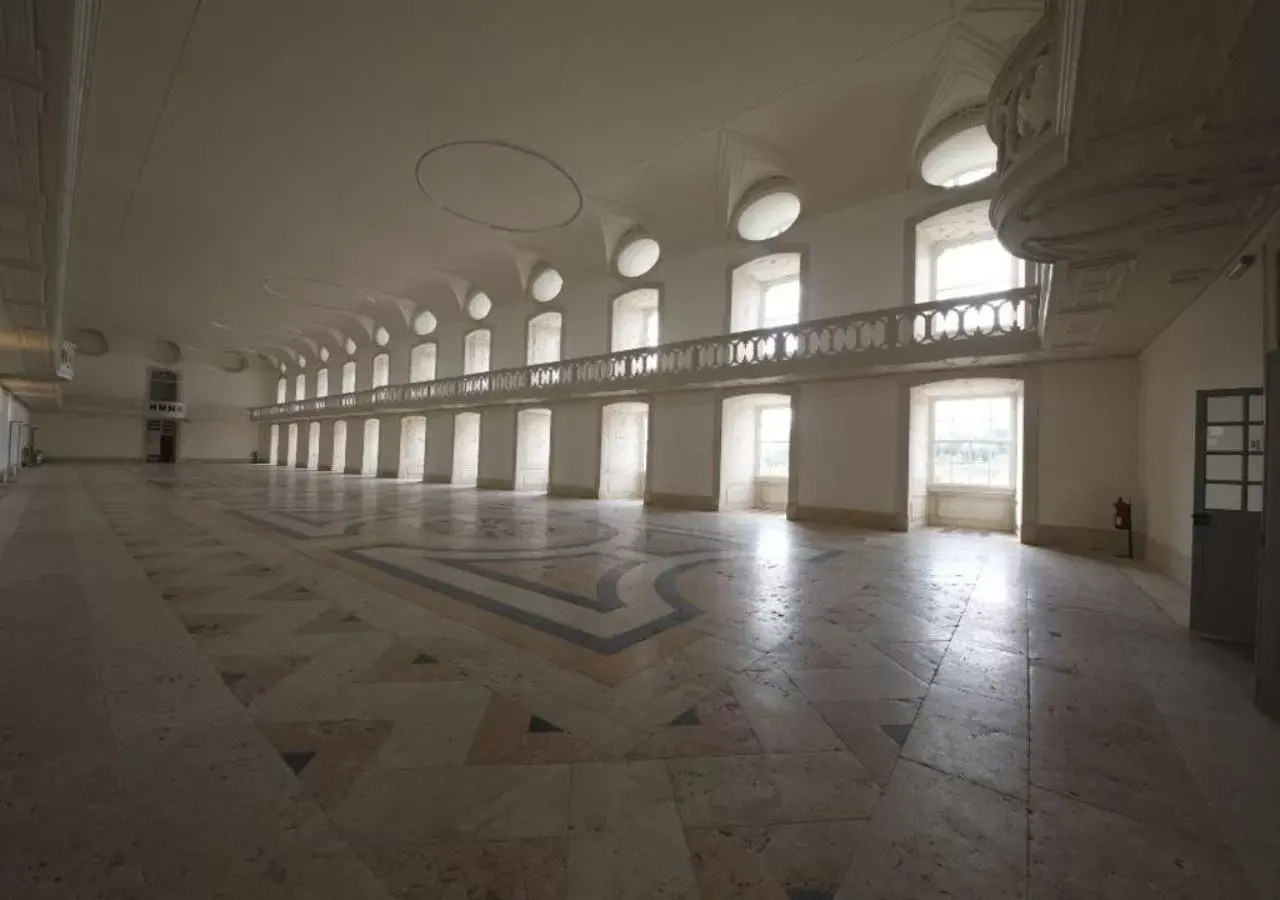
(250, 169)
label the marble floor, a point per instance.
(244, 682)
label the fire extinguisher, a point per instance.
(1124, 521)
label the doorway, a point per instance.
(313, 447)
(413, 447)
(1227, 518)
(624, 451)
(533, 449)
(965, 456)
(339, 447)
(369, 462)
(755, 452)
(466, 448)
(162, 440)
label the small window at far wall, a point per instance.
(422, 362)
(348, 378)
(773, 442)
(322, 383)
(475, 352)
(381, 370)
(972, 442)
(781, 304)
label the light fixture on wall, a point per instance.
(767, 210)
(479, 305)
(424, 323)
(1240, 266)
(546, 284)
(637, 254)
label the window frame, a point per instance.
(937, 248)
(373, 375)
(529, 328)
(759, 442)
(931, 482)
(466, 339)
(435, 367)
(322, 374)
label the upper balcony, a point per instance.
(993, 327)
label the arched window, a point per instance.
(349, 377)
(766, 293)
(958, 255)
(382, 370)
(475, 351)
(300, 389)
(322, 383)
(635, 320)
(422, 362)
(544, 339)
(282, 390)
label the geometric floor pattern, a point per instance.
(229, 681)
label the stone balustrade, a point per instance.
(993, 325)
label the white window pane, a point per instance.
(972, 463)
(1255, 498)
(781, 304)
(348, 378)
(1222, 496)
(1223, 437)
(1255, 468)
(775, 459)
(1257, 408)
(1224, 409)
(976, 267)
(1255, 438)
(775, 424)
(651, 328)
(1224, 468)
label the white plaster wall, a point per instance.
(71, 436)
(845, 444)
(1088, 436)
(682, 441)
(497, 444)
(575, 445)
(216, 441)
(1218, 342)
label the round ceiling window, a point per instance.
(350, 347)
(381, 336)
(637, 255)
(324, 354)
(546, 285)
(959, 159)
(302, 362)
(424, 323)
(479, 305)
(767, 212)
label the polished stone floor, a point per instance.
(244, 682)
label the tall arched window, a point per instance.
(475, 351)
(322, 383)
(422, 362)
(544, 338)
(282, 390)
(300, 389)
(349, 377)
(382, 370)
(635, 320)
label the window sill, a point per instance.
(970, 489)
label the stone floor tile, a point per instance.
(776, 788)
(978, 738)
(866, 683)
(937, 836)
(1079, 851)
(804, 861)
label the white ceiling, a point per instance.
(232, 142)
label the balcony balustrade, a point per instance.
(992, 325)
